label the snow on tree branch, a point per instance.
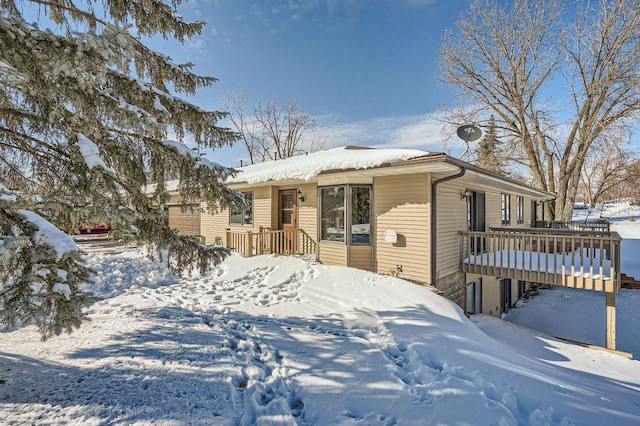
(84, 109)
(91, 153)
(49, 235)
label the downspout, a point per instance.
(434, 218)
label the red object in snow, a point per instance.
(94, 228)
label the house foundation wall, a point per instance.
(453, 287)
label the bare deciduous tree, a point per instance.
(513, 61)
(607, 170)
(274, 131)
(236, 104)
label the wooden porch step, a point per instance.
(629, 282)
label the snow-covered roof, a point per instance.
(306, 167)
(170, 185)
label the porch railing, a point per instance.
(598, 225)
(284, 242)
(581, 259)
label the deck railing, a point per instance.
(598, 225)
(285, 242)
(580, 259)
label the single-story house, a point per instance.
(426, 217)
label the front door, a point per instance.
(288, 220)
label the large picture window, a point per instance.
(345, 214)
(242, 215)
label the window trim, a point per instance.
(243, 211)
(347, 215)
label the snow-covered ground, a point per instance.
(279, 340)
(578, 314)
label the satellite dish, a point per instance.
(469, 133)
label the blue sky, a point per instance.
(366, 70)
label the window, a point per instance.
(506, 209)
(522, 288)
(474, 297)
(332, 213)
(242, 215)
(345, 212)
(360, 215)
(505, 295)
(520, 210)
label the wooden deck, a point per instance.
(570, 258)
(584, 259)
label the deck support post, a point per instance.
(610, 326)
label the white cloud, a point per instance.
(414, 131)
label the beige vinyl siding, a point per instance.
(360, 257)
(175, 198)
(472, 277)
(527, 211)
(185, 222)
(333, 253)
(213, 226)
(308, 211)
(401, 204)
(491, 296)
(261, 207)
(493, 208)
(452, 218)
